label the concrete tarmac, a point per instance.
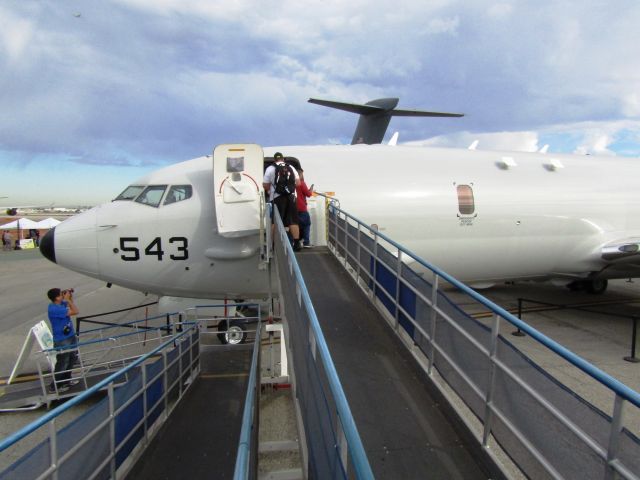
(602, 335)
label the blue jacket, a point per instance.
(59, 319)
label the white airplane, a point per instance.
(192, 229)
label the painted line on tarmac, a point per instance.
(20, 379)
(223, 375)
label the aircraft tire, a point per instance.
(597, 286)
(234, 334)
(222, 327)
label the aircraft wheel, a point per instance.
(234, 334)
(222, 327)
(597, 286)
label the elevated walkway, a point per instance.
(200, 439)
(526, 421)
(406, 428)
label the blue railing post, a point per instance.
(432, 326)
(112, 430)
(53, 448)
(358, 262)
(374, 282)
(398, 275)
(143, 372)
(493, 350)
(346, 243)
(617, 424)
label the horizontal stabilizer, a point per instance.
(422, 113)
(348, 107)
(375, 116)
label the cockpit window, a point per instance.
(178, 193)
(152, 195)
(131, 192)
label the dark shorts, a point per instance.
(286, 205)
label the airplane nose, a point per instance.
(47, 245)
(75, 245)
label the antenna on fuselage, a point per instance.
(376, 115)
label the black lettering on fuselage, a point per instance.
(130, 245)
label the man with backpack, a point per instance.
(280, 181)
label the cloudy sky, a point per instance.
(95, 94)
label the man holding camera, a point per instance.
(61, 309)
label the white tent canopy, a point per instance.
(21, 223)
(48, 223)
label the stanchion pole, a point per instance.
(518, 332)
(634, 332)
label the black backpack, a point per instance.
(285, 179)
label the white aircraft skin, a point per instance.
(535, 217)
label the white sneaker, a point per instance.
(307, 246)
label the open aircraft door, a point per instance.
(239, 198)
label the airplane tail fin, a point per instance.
(376, 115)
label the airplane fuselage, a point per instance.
(482, 216)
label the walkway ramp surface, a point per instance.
(200, 437)
(405, 425)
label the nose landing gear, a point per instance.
(232, 332)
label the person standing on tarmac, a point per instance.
(304, 220)
(61, 309)
(285, 199)
(6, 240)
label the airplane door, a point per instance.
(239, 197)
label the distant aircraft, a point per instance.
(12, 211)
(486, 217)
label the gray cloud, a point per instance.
(145, 82)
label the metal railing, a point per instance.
(89, 318)
(102, 350)
(105, 442)
(331, 444)
(547, 429)
(247, 456)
